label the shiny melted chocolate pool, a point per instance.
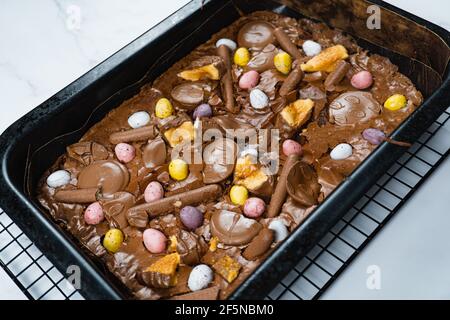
(315, 106)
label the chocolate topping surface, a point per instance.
(340, 114)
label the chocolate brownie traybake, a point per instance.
(186, 187)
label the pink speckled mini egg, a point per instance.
(254, 207)
(154, 240)
(249, 80)
(362, 80)
(125, 152)
(153, 192)
(94, 213)
(291, 147)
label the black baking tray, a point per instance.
(34, 142)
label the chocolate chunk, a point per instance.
(226, 81)
(233, 228)
(337, 75)
(188, 94)
(77, 195)
(280, 193)
(217, 61)
(167, 205)
(190, 247)
(256, 34)
(291, 82)
(312, 92)
(302, 184)
(139, 134)
(115, 208)
(353, 107)
(314, 76)
(205, 294)
(219, 158)
(286, 43)
(263, 60)
(87, 152)
(259, 245)
(108, 175)
(138, 219)
(154, 153)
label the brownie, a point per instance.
(323, 105)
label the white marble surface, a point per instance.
(47, 44)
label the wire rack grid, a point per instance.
(39, 279)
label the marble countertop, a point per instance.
(47, 44)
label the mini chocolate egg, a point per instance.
(125, 152)
(154, 191)
(362, 80)
(139, 119)
(241, 57)
(374, 136)
(113, 240)
(258, 99)
(200, 277)
(279, 229)
(283, 62)
(94, 214)
(58, 179)
(341, 151)
(154, 240)
(249, 80)
(238, 195)
(291, 147)
(178, 169)
(191, 217)
(254, 207)
(163, 108)
(202, 111)
(226, 42)
(395, 102)
(311, 48)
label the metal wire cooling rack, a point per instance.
(38, 279)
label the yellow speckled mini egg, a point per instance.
(395, 102)
(163, 108)
(113, 240)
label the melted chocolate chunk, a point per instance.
(219, 158)
(87, 152)
(154, 153)
(302, 185)
(108, 175)
(116, 207)
(188, 94)
(354, 107)
(263, 60)
(255, 34)
(233, 228)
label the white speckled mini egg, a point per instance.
(258, 99)
(139, 119)
(227, 42)
(58, 179)
(200, 277)
(311, 48)
(341, 151)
